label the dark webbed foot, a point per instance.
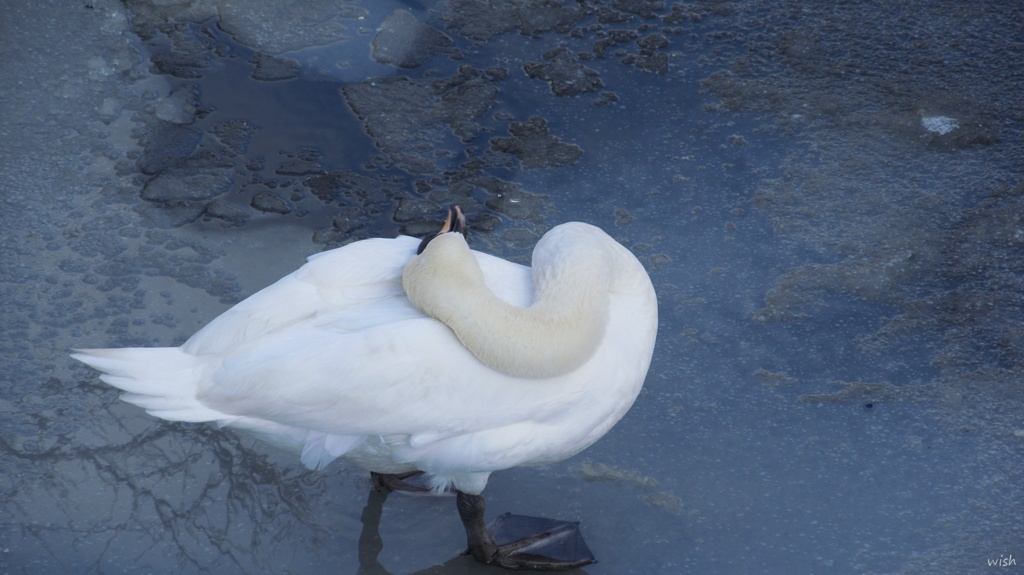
(522, 542)
(398, 482)
(413, 483)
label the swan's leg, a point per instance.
(527, 542)
(370, 542)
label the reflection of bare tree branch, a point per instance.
(119, 494)
(185, 498)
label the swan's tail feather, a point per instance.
(165, 380)
(161, 380)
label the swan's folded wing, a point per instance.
(408, 377)
(330, 281)
(355, 366)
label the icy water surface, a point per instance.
(828, 198)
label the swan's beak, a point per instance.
(455, 221)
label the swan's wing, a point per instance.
(379, 381)
(331, 280)
(377, 368)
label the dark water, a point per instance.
(836, 386)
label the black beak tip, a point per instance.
(457, 220)
(454, 222)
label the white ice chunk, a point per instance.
(940, 125)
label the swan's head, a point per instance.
(454, 222)
(443, 268)
(574, 268)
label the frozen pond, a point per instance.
(829, 200)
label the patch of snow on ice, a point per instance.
(940, 125)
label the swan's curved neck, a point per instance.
(553, 336)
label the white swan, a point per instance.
(451, 362)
